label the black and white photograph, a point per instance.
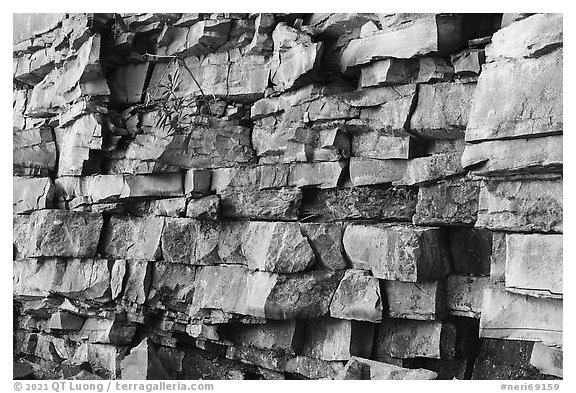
(286, 196)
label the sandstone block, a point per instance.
(404, 338)
(468, 62)
(171, 285)
(281, 204)
(449, 202)
(511, 316)
(65, 321)
(534, 264)
(205, 208)
(522, 205)
(285, 336)
(531, 37)
(132, 237)
(506, 107)
(371, 202)
(107, 331)
(200, 38)
(416, 37)
(136, 281)
(515, 156)
(366, 171)
(75, 143)
(420, 301)
(169, 207)
(358, 368)
(433, 69)
(318, 174)
(197, 181)
(34, 151)
(63, 233)
(382, 145)
(442, 110)
(259, 177)
(403, 253)
(142, 363)
(326, 242)
(152, 185)
(20, 235)
(464, 295)
(83, 279)
(424, 170)
(357, 298)
(189, 241)
(29, 194)
(547, 360)
(386, 72)
(336, 339)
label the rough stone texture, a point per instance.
(189, 241)
(367, 171)
(525, 318)
(206, 208)
(363, 369)
(382, 145)
(509, 157)
(521, 205)
(62, 233)
(547, 360)
(132, 237)
(424, 170)
(386, 72)
(29, 194)
(357, 298)
(326, 242)
(20, 231)
(336, 339)
(449, 202)
(397, 252)
(34, 151)
(505, 106)
(404, 338)
(419, 36)
(171, 285)
(464, 295)
(534, 264)
(321, 174)
(421, 301)
(285, 336)
(281, 204)
(471, 251)
(442, 110)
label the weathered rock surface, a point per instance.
(468, 62)
(509, 157)
(357, 298)
(34, 151)
(367, 171)
(421, 301)
(547, 360)
(403, 338)
(534, 264)
(471, 251)
(336, 339)
(402, 253)
(281, 204)
(143, 363)
(358, 368)
(416, 37)
(319, 174)
(505, 106)
(205, 208)
(62, 233)
(442, 110)
(326, 242)
(425, 170)
(29, 194)
(449, 202)
(285, 336)
(521, 205)
(132, 237)
(511, 316)
(382, 145)
(464, 295)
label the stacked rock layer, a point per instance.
(288, 196)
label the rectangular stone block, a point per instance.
(335, 339)
(468, 62)
(76, 144)
(424, 170)
(326, 242)
(258, 177)
(205, 208)
(531, 109)
(82, 279)
(197, 181)
(357, 297)
(133, 237)
(189, 241)
(534, 264)
(416, 37)
(29, 194)
(363, 369)
(107, 331)
(442, 110)
(404, 338)
(153, 185)
(521, 205)
(511, 316)
(20, 235)
(318, 174)
(169, 207)
(464, 295)
(382, 145)
(127, 83)
(449, 202)
(471, 250)
(367, 171)
(515, 156)
(63, 233)
(171, 285)
(401, 253)
(380, 202)
(280, 204)
(34, 151)
(421, 301)
(284, 336)
(548, 360)
(386, 72)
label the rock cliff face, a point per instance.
(288, 196)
